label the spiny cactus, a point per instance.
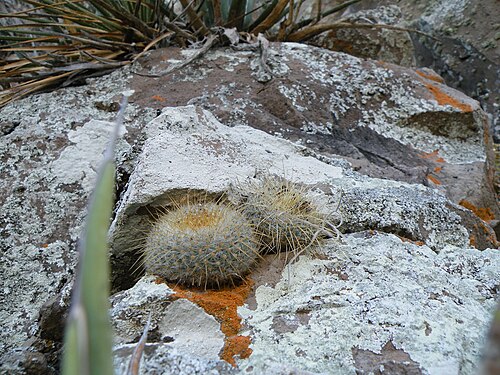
(285, 219)
(201, 244)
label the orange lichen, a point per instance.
(472, 241)
(429, 155)
(429, 75)
(434, 180)
(223, 305)
(438, 169)
(159, 98)
(489, 235)
(405, 239)
(434, 156)
(482, 212)
(236, 345)
(444, 99)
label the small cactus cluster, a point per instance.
(201, 244)
(212, 243)
(283, 216)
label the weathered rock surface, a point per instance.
(49, 156)
(392, 46)
(370, 299)
(387, 121)
(371, 292)
(50, 148)
(466, 52)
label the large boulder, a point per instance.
(387, 121)
(463, 47)
(411, 295)
(51, 146)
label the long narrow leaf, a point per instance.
(265, 13)
(335, 9)
(88, 343)
(273, 17)
(237, 13)
(135, 359)
(311, 31)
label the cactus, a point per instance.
(201, 244)
(285, 219)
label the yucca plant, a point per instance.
(58, 42)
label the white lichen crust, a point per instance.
(201, 244)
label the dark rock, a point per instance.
(390, 361)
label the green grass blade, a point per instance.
(88, 341)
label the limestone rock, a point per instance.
(465, 52)
(50, 151)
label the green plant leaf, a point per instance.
(88, 341)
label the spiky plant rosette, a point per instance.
(284, 216)
(56, 43)
(201, 244)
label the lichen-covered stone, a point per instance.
(162, 359)
(334, 104)
(425, 298)
(387, 121)
(370, 291)
(50, 152)
(186, 328)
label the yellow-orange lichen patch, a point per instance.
(236, 345)
(223, 305)
(433, 77)
(434, 156)
(472, 241)
(434, 180)
(482, 212)
(438, 169)
(444, 99)
(405, 239)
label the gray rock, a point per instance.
(466, 52)
(162, 359)
(392, 46)
(375, 293)
(199, 335)
(372, 298)
(387, 121)
(49, 160)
